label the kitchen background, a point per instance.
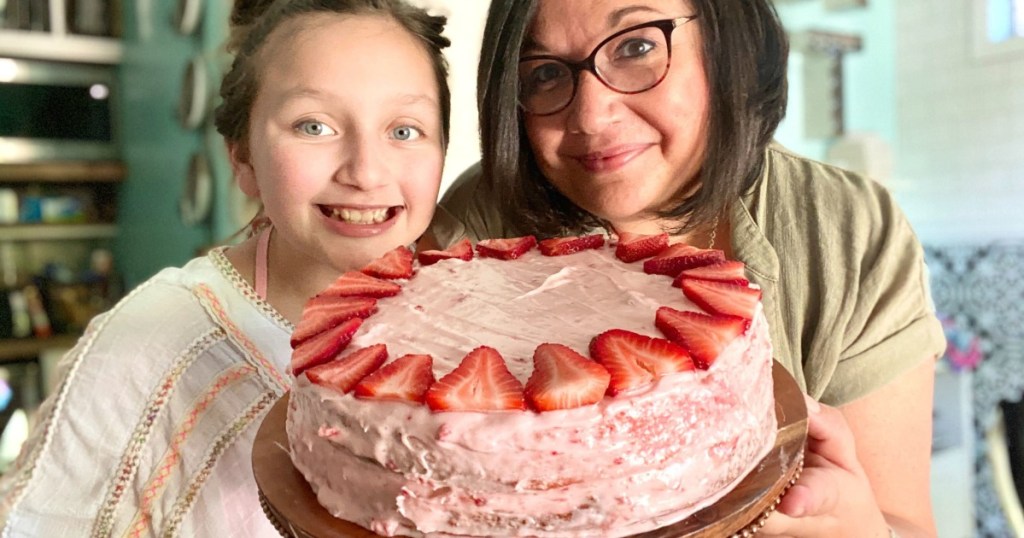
(928, 101)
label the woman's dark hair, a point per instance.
(744, 51)
(253, 21)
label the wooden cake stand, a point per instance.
(291, 505)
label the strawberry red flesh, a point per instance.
(724, 271)
(463, 250)
(407, 378)
(346, 372)
(626, 372)
(680, 257)
(506, 249)
(323, 313)
(564, 379)
(324, 346)
(703, 335)
(560, 246)
(635, 247)
(396, 263)
(723, 298)
(481, 382)
(358, 284)
(656, 355)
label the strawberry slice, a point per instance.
(393, 264)
(324, 346)
(656, 355)
(481, 382)
(560, 246)
(564, 379)
(506, 249)
(322, 313)
(345, 373)
(723, 298)
(703, 335)
(679, 257)
(463, 250)
(358, 284)
(724, 271)
(407, 379)
(635, 247)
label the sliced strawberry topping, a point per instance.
(656, 355)
(705, 336)
(679, 257)
(481, 382)
(406, 378)
(722, 297)
(463, 250)
(725, 271)
(393, 264)
(635, 247)
(560, 246)
(626, 372)
(343, 374)
(322, 313)
(357, 284)
(506, 249)
(564, 379)
(324, 346)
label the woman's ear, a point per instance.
(244, 173)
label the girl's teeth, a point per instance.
(375, 216)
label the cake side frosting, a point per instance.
(631, 463)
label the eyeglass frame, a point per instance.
(589, 63)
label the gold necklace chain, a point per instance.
(714, 231)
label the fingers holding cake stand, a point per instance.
(290, 504)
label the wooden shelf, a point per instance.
(56, 232)
(28, 348)
(64, 172)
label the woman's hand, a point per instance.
(866, 467)
(833, 497)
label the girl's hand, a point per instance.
(833, 497)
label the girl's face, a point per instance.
(620, 156)
(345, 148)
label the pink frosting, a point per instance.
(628, 464)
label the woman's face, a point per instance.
(620, 156)
(345, 148)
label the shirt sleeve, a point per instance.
(471, 203)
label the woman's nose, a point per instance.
(591, 109)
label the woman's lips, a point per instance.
(359, 222)
(611, 159)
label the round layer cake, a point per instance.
(645, 453)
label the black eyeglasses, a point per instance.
(630, 61)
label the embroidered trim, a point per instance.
(28, 459)
(154, 488)
(128, 467)
(220, 261)
(209, 300)
(222, 443)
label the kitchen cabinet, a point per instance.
(64, 30)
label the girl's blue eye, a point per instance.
(406, 133)
(315, 128)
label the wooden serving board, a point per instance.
(291, 505)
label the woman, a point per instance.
(658, 115)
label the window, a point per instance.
(998, 27)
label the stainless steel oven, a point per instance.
(55, 111)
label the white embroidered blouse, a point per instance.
(150, 432)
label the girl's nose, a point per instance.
(363, 165)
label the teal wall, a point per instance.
(869, 74)
(156, 148)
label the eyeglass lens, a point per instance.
(628, 63)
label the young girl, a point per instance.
(336, 114)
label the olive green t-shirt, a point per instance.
(844, 284)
